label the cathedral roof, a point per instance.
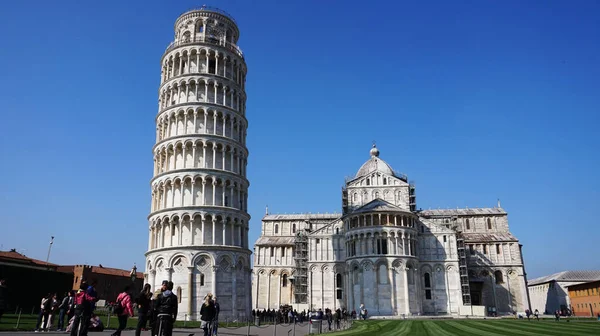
(275, 241)
(567, 276)
(302, 216)
(374, 164)
(378, 205)
(489, 237)
(462, 212)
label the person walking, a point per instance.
(215, 323)
(207, 314)
(166, 311)
(45, 308)
(537, 314)
(53, 311)
(154, 306)
(62, 311)
(83, 304)
(143, 305)
(123, 310)
(3, 298)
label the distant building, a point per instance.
(383, 252)
(549, 293)
(29, 279)
(110, 281)
(585, 298)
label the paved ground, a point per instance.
(281, 330)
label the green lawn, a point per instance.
(504, 327)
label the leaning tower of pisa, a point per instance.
(198, 224)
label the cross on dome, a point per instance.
(374, 151)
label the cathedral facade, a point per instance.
(382, 252)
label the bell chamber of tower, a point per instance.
(198, 224)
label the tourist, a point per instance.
(143, 305)
(537, 314)
(53, 311)
(123, 310)
(63, 308)
(91, 291)
(95, 323)
(166, 310)
(215, 323)
(528, 314)
(83, 307)
(363, 311)
(45, 308)
(329, 317)
(207, 314)
(557, 316)
(3, 297)
(154, 306)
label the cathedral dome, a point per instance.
(375, 164)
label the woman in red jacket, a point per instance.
(123, 310)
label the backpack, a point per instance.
(47, 304)
(80, 301)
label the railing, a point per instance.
(207, 39)
(212, 9)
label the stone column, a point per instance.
(207, 57)
(278, 291)
(214, 279)
(215, 84)
(214, 191)
(180, 237)
(217, 56)
(214, 231)
(193, 190)
(406, 298)
(257, 288)
(190, 290)
(269, 290)
(153, 279)
(224, 231)
(393, 283)
(202, 220)
(234, 292)
(191, 220)
(223, 156)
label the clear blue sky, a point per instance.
(474, 100)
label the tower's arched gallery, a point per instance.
(198, 223)
(384, 253)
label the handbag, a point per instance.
(118, 310)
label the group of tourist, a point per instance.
(286, 314)
(158, 308)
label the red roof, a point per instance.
(115, 271)
(16, 257)
(102, 270)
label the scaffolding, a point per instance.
(412, 196)
(464, 272)
(301, 267)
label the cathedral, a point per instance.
(383, 252)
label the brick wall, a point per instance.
(585, 298)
